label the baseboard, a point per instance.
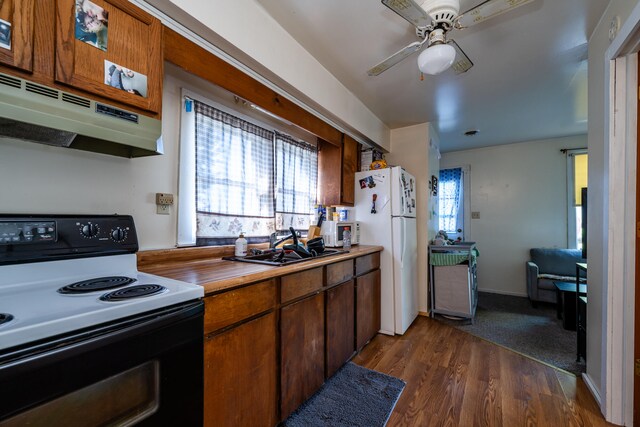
(592, 388)
(424, 313)
(495, 291)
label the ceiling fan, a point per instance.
(433, 20)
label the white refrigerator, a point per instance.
(385, 206)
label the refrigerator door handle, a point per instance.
(404, 241)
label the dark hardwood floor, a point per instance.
(456, 379)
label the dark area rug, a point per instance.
(513, 323)
(354, 396)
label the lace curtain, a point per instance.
(449, 193)
(249, 179)
(296, 176)
(234, 175)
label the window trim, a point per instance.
(572, 236)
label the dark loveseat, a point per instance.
(546, 266)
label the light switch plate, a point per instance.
(475, 215)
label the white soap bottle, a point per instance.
(241, 245)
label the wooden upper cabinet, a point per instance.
(350, 154)
(20, 15)
(336, 185)
(133, 41)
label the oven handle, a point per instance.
(35, 356)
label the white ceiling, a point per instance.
(528, 81)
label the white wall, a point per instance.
(520, 191)
(244, 30)
(410, 149)
(598, 182)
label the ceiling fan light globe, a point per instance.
(436, 59)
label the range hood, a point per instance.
(37, 113)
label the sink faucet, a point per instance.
(273, 242)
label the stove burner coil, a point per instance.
(5, 317)
(136, 291)
(97, 284)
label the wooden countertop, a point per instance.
(216, 274)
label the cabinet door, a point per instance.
(329, 175)
(131, 40)
(302, 352)
(349, 167)
(17, 51)
(340, 326)
(240, 368)
(367, 307)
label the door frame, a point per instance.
(636, 345)
(621, 95)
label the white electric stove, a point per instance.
(61, 274)
(82, 330)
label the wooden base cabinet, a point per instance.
(302, 352)
(270, 345)
(367, 307)
(340, 326)
(240, 380)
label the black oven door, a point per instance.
(145, 370)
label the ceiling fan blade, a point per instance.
(409, 10)
(395, 58)
(486, 10)
(462, 63)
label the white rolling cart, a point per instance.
(453, 280)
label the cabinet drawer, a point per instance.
(339, 272)
(299, 284)
(233, 306)
(367, 263)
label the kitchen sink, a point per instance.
(280, 257)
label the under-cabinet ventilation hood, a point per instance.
(37, 113)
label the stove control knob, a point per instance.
(118, 234)
(90, 230)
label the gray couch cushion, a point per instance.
(561, 262)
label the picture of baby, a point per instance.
(125, 79)
(91, 24)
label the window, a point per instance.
(450, 198)
(577, 166)
(246, 178)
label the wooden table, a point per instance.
(566, 303)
